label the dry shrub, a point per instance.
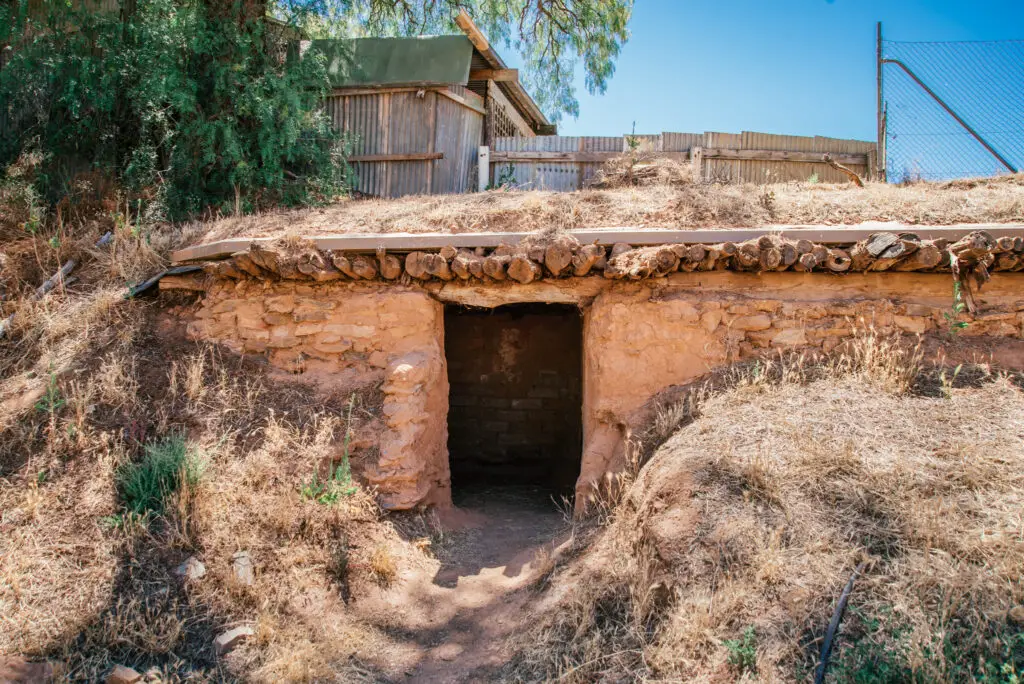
(383, 566)
(749, 520)
(642, 169)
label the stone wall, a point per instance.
(639, 339)
(348, 337)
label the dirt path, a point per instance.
(450, 619)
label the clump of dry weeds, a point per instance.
(89, 381)
(726, 556)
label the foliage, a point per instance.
(338, 483)
(166, 467)
(186, 111)
(952, 316)
(882, 654)
(330, 490)
(506, 178)
(743, 652)
(551, 36)
(51, 401)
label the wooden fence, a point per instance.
(566, 163)
(411, 141)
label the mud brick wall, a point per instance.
(347, 337)
(641, 339)
(515, 413)
(638, 340)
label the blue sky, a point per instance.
(798, 67)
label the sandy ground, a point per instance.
(450, 619)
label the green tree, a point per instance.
(188, 109)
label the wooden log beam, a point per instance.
(783, 156)
(501, 75)
(407, 157)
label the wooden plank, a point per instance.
(475, 35)
(385, 90)
(398, 242)
(432, 141)
(570, 157)
(782, 155)
(494, 75)
(408, 156)
(461, 100)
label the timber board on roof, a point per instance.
(392, 62)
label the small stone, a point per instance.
(790, 337)
(912, 324)
(280, 304)
(918, 310)
(710, 320)
(274, 318)
(756, 322)
(191, 569)
(448, 652)
(243, 568)
(123, 675)
(227, 641)
(1016, 615)
(17, 670)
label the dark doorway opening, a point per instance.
(516, 392)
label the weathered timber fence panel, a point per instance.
(568, 163)
(410, 141)
(550, 174)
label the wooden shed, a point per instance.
(419, 108)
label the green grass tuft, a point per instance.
(166, 466)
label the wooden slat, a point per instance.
(386, 90)
(410, 156)
(494, 75)
(782, 155)
(573, 157)
(461, 100)
(606, 236)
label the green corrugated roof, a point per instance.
(424, 60)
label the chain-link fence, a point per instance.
(951, 110)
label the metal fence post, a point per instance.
(879, 120)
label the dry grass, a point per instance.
(755, 512)
(668, 205)
(789, 498)
(87, 379)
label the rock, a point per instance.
(710, 320)
(790, 337)
(1016, 615)
(243, 568)
(757, 322)
(912, 324)
(123, 675)
(448, 652)
(227, 641)
(191, 569)
(15, 670)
